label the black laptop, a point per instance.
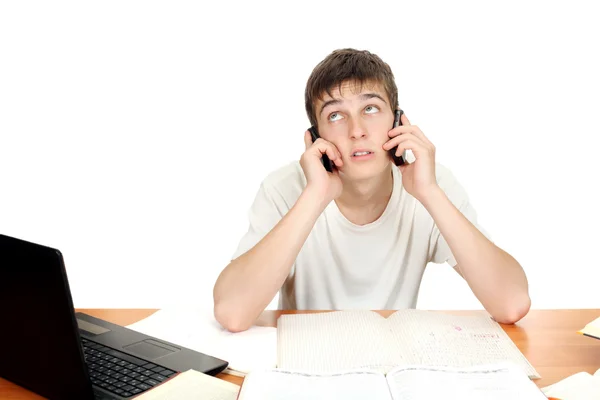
(49, 349)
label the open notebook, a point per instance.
(497, 382)
(333, 341)
(580, 386)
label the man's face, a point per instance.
(357, 123)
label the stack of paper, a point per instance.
(192, 385)
(592, 329)
(197, 329)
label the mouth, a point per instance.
(361, 153)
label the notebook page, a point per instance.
(440, 339)
(193, 385)
(197, 329)
(333, 341)
(285, 385)
(490, 383)
(580, 386)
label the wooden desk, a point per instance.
(547, 338)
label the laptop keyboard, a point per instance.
(120, 373)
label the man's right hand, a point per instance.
(247, 285)
(326, 186)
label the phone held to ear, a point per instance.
(329, 166)
(324, 159)
(398, 160)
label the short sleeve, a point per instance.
(441, 252)
(266, 211)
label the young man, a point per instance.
(361, 236)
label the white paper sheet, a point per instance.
(493, 382)
(287, 385)
(198, 330)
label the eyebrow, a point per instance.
(364, 96)
(367, 96)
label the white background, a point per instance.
(134, 135)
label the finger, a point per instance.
(404, 119)
(307, 140)
(401, 138)
(324, 147)
(419, 133)
(338, 161)
(334, 155)
(336, 158)
(400, 130)
(414, 130)
(416, 147)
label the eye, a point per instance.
(334, 116)
(371, 109)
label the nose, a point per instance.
(356, 129)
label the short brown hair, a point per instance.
(343, 65)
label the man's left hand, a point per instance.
(418, 177)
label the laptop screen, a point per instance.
(39, 340)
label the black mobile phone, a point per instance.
(398, 160)
(329, 166)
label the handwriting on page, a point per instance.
(364, 339)
(456, 341)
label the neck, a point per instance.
(363, 202)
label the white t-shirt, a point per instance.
(342, 265)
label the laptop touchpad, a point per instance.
(151, 349)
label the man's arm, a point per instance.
(249, 283)
(494, 276)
